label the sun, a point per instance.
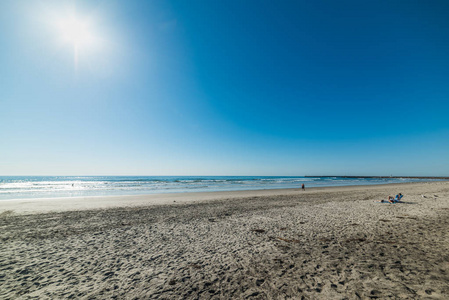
(76, 31)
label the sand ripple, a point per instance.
(321, 244)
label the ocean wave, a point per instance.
(68, 186)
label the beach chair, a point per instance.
(398, 198)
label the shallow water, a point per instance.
(20, 187)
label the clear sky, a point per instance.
(224, 87)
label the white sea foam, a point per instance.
(66, 186)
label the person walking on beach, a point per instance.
(303, 187)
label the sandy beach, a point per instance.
(322, 243)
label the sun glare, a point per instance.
(76, 31)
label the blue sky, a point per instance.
(225, 88)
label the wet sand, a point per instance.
(327, 243)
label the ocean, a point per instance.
(26, 187)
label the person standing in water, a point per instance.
(303, 187)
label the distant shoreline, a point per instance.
(408, 177)
(73, 186)
(60, 204)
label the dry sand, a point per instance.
(331, 243)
